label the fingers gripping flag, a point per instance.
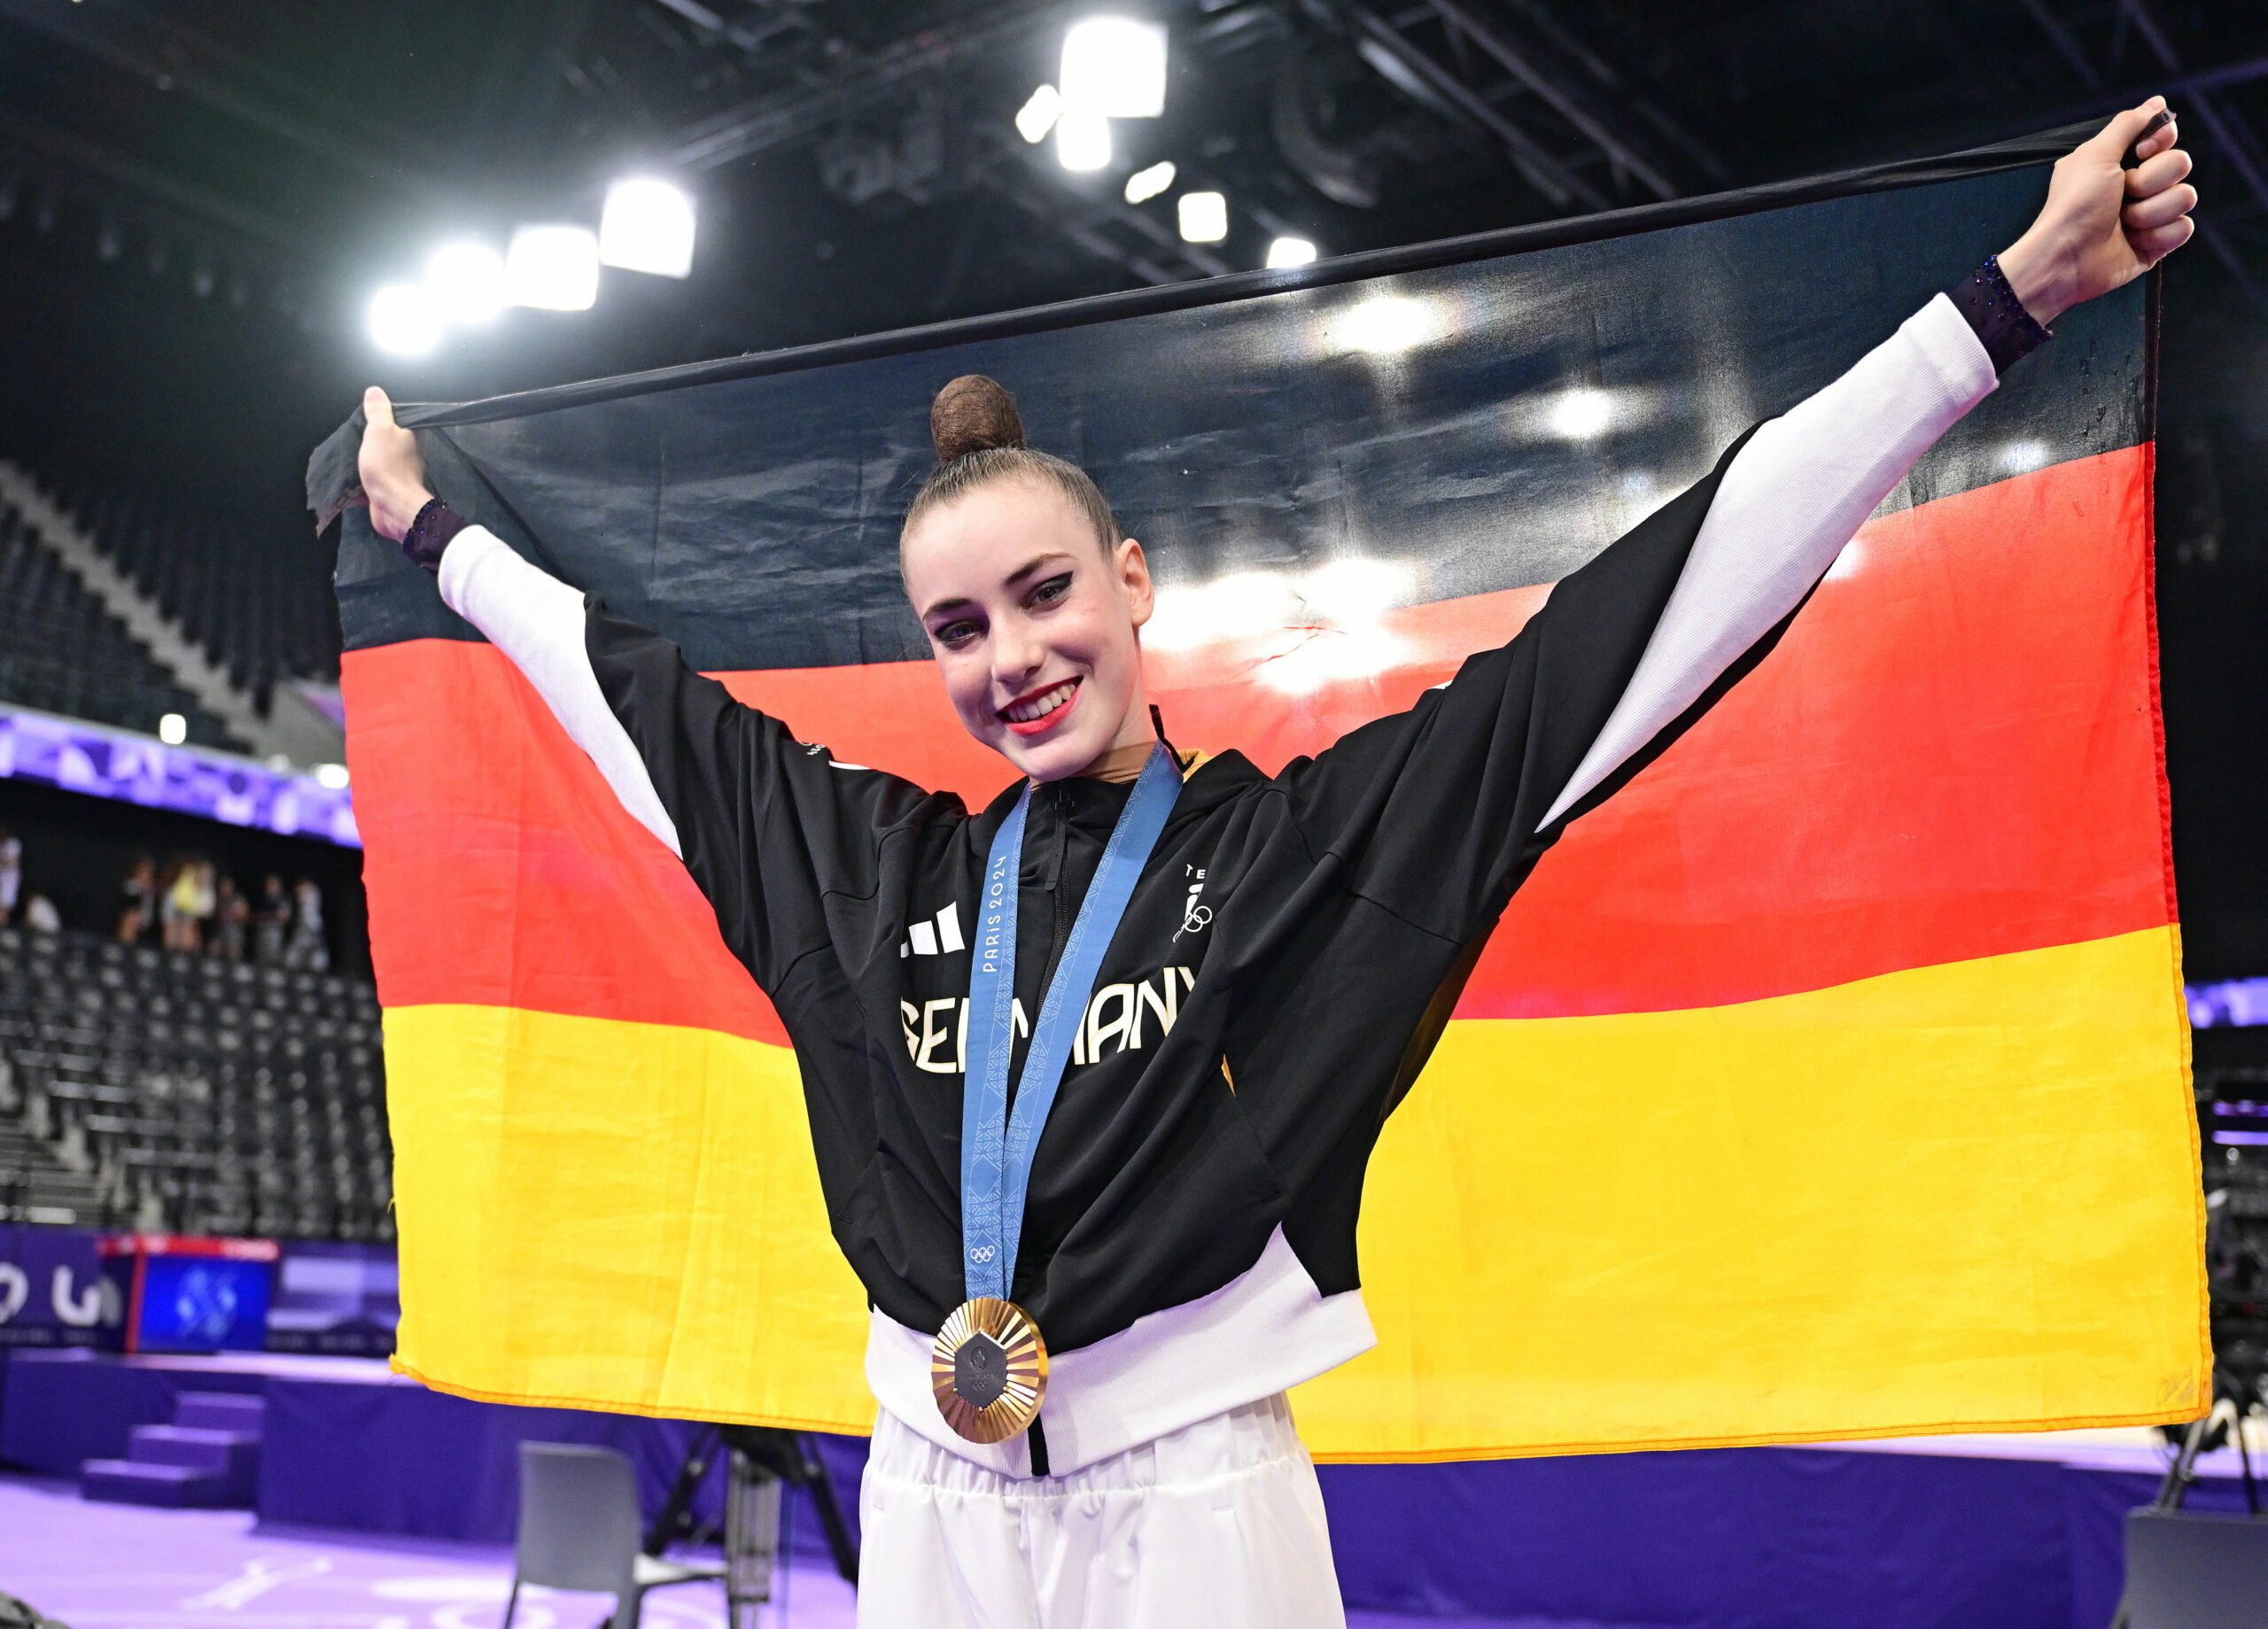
(1829, 1081)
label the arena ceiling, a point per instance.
(198, 196)
(856, 166)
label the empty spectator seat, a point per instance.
(202, 1095)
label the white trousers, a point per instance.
(1220, 1524)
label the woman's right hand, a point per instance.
(393, 471)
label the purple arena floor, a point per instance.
(98, 1566)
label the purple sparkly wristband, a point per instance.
(430, 533)
(2002, 326)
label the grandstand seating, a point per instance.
(260, 604)
(62, 652)
(35, 1184)
(200, 1094)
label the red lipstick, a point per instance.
(1047, 721)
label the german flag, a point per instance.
(1830, 1082)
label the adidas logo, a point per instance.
(937, 935)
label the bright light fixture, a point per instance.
(1082, 141)
(331, 775)
(404, 320)
(1114, 66)
(1037, 116)
(646, 225)
(1204, 217)
(1143, 185)
(552, 267)
(1385, 323)
(1290, 251)
(466, 282)
(1579, 414)
(173, 729)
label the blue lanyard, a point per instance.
(996, 1149)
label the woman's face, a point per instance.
(1032, 622)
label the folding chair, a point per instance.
(579, 1530)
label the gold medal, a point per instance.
(988, 1369)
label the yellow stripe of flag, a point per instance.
(1926, 1201)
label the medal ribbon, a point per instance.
(997, 1148)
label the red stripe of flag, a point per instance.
(1930, 769)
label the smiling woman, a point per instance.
(1030, 598)
(1182, 1009)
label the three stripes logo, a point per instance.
(933, 935)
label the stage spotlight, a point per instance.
(552, 267)
(466, 282)
(1143, 185)
(646, 225)
(1037, 116)
(1581, 415)
(1204, 217)
(331, 775)
(1290, 251)
(1115, 67)
(1082, 141)
(173, 729)
(404, 320)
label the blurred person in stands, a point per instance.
(173, 886)
(269, 921)
(307, 949)
(11, 874)
(41, 916)
(203, 901)
(231, 920)
(186, 905)
(141, 908)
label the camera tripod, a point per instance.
(762, 1463)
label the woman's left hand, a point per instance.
(2103, 226)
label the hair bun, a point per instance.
(971, 413)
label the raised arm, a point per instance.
(764, 823)
(1806, 481)
(526, 612)
(1789, 501)
(1436, 813)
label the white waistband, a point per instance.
(1263, 1332)
(1247, 1437)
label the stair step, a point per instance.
(222, 1453)
(130, 1482)
(223, 1411)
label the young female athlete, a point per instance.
(1096, 1153)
